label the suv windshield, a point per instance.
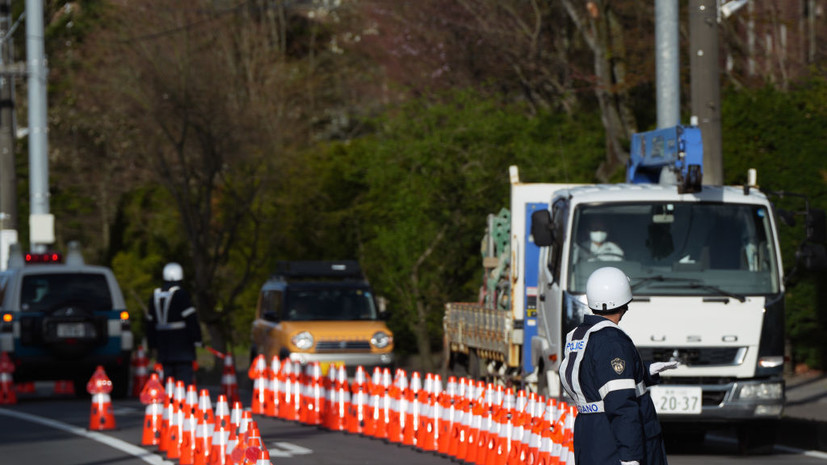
(47, 292)
(329, 304)
(677, 248)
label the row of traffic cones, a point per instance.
(181, 422)
(470, 421)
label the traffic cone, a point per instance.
(222, 413)
(188, 440)
(286, 408)
(203, 442)
(315, 395)
(412, 410)
(235, 414)
(458, 427)
(358, 403)
(221, 432)
(7, 393)
(203, 410)
(169, 412)
(341, 404)
(398, 406)
(424, 432)
(258, 374)
(448, 415)
(152, 395)
(477, 409)
(140, 371)
(272, 396)
(264, 458)
(176, 421)
(229, 381)
(500, 440)
(517, 423)
(296, 381)
(101, 417)
(252, 451)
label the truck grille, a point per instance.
(695, 356)
(324, 346)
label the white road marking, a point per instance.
(115, 443)
(291, 449)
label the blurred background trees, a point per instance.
(228, 135)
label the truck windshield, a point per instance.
(690, 248)
(329, 304)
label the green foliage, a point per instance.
(411, 200)
(781, 134)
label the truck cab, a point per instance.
(321, 311)
(61, 319)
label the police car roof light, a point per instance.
(47, 257)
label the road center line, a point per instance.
(115, 443)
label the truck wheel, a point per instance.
(756, 438)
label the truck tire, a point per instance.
(757, 438)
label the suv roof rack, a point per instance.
(319, 269)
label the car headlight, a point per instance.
(761, 391)
(380, 340)
(302, 340)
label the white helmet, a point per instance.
(608, 289)
(173, 272)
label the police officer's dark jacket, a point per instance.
(604, 374)
(172, 324)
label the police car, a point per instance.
(60, 319)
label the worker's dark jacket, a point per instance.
(604, 374)
(172, 324)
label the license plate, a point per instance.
(71, 330)
(684, 400)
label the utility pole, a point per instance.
(706, 85)
(41, 222)
(8, 173)
(667, 63)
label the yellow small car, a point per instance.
(321, 311)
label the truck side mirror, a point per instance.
(541, 228)
(816, 226)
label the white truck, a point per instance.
(705, 268)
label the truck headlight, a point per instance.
(380, 340)
(761, 391)
(302, 340)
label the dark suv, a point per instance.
(61, 320)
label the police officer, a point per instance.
(172, 327)
(604, 374)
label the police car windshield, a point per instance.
(329, 304)
(677, 248)
(49, 292)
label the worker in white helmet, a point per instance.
(605, 376)
(172, 327)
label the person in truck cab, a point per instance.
(172, 327)
(598, 247)
(605, 376)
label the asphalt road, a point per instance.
(46, 429)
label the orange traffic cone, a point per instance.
(460, 406)
(176, 421)
(273, 397)
(152, 395)
(425, 432)
(101, 417)
(235, 414)
(264, 458)
(204, 409)
(396, 415)
(7, 394)
(258, 374)
(290, 397)
(314, 398)
(409, 433)
(229, 381)
(221, 432)
(140, 371)
(358, 403)
(448, 416)
(341, 404)
(203, 442)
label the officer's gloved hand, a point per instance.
(631, 462)
(658, 367)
